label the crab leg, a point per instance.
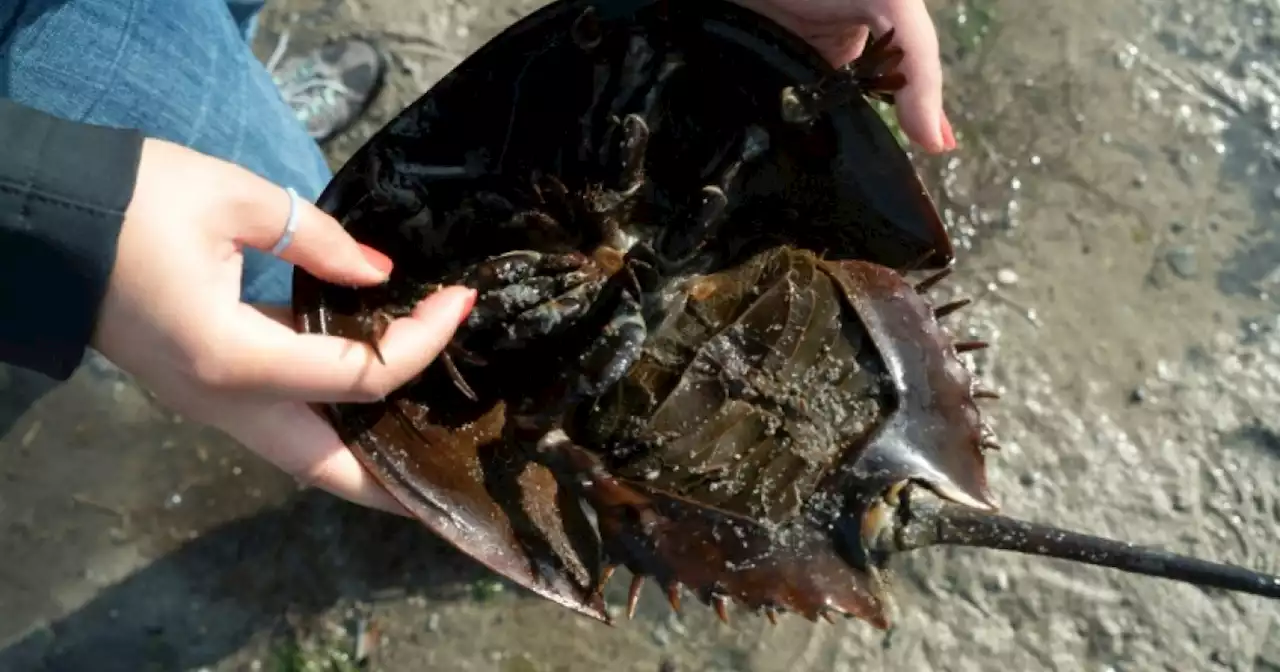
(755, 142)
(714, 200)
(639, 53)
(635, 141)
(610, 354)
(523, 296)
(636, 128)
(872, 74)
(586, 31)
(551, 316)
(637, 74)
(527, 294)
(561, 455)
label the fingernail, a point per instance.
(468, 303)
(935, 142)
(379, 261)
(948, 135)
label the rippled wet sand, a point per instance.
(1116, 195)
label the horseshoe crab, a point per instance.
(691, 354)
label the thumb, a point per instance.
(266, 355)
(317, 242)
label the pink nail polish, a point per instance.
(948, 135)
(469, 303)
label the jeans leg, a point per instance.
(245, 14)
(179, 70)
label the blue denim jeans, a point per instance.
(180, 70)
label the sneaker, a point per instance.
(330, 87)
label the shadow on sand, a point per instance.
(19, 391)
(204, 601)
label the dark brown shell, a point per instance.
(438, 190)
(765, 417)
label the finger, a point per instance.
(299, 442)
(841, 48)
(835, 29)
(265, 356)
(919, 103)
(319, 244)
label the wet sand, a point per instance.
(1116, 196)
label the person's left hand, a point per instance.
(172, 317)
(838, 29)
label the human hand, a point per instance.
(172, 317)
(838, 29)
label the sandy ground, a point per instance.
(1117, 198)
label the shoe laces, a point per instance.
(316, 99)
(309, 92)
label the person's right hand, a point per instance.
(839, 28)
(172, 317)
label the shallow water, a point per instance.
(1116, 198)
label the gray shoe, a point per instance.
(330, 87)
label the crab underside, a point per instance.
(695, 351)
